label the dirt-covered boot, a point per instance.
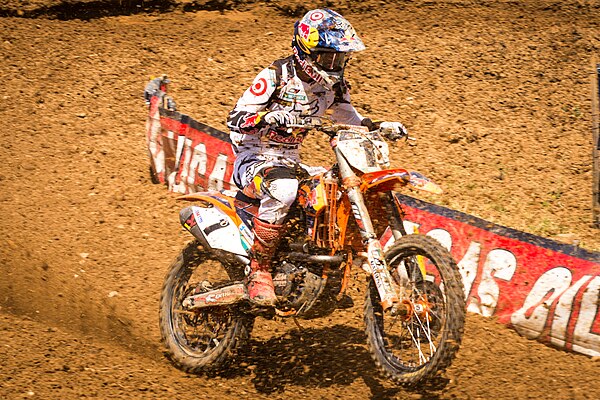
(260, 281)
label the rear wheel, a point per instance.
(421, 341)
(204, 339)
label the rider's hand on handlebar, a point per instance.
(280, 118)
(393, 130)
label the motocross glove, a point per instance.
(280, 118)
(393, 130)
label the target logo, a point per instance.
(316, 16)
(259, 88)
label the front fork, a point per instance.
(376, 261)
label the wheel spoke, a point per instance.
(427, 333)
(405, 346)
(417, 342)
(398, 341)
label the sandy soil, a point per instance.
(497, 94)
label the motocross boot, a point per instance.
(260, 282)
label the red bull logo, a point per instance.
(249, 121)
(304, 30)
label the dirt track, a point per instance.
(497, 94)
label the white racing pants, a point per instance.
(272, 180)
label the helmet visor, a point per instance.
(330, 60)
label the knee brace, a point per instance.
(280, 188)
(280, 184)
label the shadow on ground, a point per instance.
(317, 358)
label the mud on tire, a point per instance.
(410, 348)
(202, 340)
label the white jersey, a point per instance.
(279, 88)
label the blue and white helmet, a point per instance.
(321, 43)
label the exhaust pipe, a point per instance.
(224, 296)
(188, 221)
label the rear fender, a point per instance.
(217, 199)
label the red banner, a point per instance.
(187, 155)
(543, 289)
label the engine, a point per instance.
(303, 293)
(297, 287)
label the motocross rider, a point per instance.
(307, 83)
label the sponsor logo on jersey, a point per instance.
(259, 87)
(248, 121)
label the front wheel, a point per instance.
(200, 340)
(421, 341)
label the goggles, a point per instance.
(330, 60)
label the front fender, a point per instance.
(389, 179)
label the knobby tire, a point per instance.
(446, 328)
(236, 325)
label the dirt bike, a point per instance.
(414, 310)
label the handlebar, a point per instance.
(331, 129)
(316, 123)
